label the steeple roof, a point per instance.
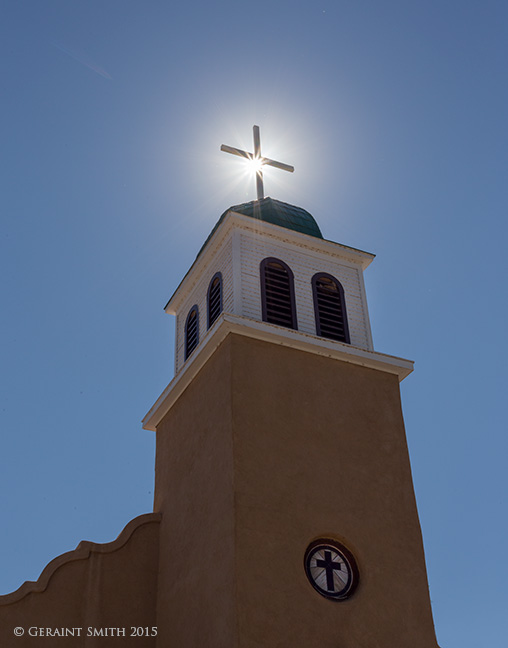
(279, 213)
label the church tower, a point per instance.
(288, 516)
(284, 513)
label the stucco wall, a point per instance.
(320, 451)
(194, 490)
(109, 586)
(268, 449)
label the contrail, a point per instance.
(84, 60)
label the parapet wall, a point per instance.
(91, 595)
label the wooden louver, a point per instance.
(214, 300)
(331, 321)
(191, 332)
(278, 304)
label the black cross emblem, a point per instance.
(330, 567)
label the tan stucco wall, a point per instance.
(268, 449)
(98, 586)
(194, 489)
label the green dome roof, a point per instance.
(275, 212)
(279, 213)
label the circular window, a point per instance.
(331, 569)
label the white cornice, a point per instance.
(228, 323)
(246, 223)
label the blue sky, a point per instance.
(394, 115)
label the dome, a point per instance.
(275, 212)
(279, 213)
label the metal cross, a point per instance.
(260, 159)
(329, 566)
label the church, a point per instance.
(284, 510)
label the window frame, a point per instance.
(194, 309)
(264, 313)
(317, 318)
(217, 275)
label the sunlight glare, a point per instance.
(255, 165)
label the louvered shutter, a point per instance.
(191, 332)
(331, 320)
(214, 299)
(278, 294)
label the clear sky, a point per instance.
(394, 115)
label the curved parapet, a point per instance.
(82, 552)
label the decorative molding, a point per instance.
(228, 323)
(236, 248)
(232, 219)
(82, 552)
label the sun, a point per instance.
(255, 164)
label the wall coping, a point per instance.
(82, 552)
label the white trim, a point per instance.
(236, 256)
(227, 323)
(176, 345)
(366, 317)
(310, 243)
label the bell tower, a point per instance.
(284, 512)
(288, 516)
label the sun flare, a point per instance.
(255, 165)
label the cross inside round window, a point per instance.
(331, 569)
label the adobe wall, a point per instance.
(320, 451)
(101, 586)
(268, 449)
(194, 492)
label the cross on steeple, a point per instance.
(257, 157)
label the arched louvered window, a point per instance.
(191, 331)
(330, 308)
(214, 298)
(278, 293)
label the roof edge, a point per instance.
(228, 323)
